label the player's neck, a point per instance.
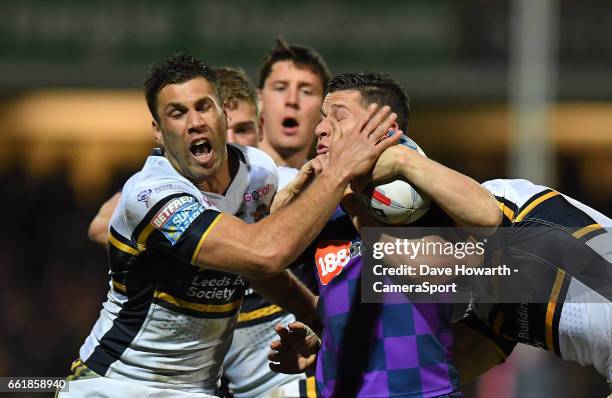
(289, 158)
(221, 181)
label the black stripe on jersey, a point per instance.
(509, 211)
(122, 240)
(184, 249)
(125, 328)
(534, 198)
(592, 234)
(559, 212)
(237, 152)
(197, 313)
(262, 319)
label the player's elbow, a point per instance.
(491, 216)
(98, 232)
(269, 262)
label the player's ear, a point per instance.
(394, 127)
(157, 134)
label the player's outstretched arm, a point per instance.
(266, 247)
(296, 351)
(287, 291)
(98, 228)
(462, 198)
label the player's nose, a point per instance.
(195, 121)
(292, 97)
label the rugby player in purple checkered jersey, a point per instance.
(393, 349)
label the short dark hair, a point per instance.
(175, 69)
(234, 85)
(301, 56)
(375, 87)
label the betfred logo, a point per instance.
(167, 211)
(331, 257)
(257, 194)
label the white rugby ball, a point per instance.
(396, 202)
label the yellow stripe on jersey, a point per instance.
(533, 204)
(508, 212)
(583, 231)
(550, 310)
(204, 235)
(259, 313)
(119, 287)
(122, 246)
(197, 306)
(311, 389)
(144, 235)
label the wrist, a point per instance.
(339, 178)
(407, 164)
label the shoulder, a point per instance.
(260, 165)
(257, 158)
(156, 184)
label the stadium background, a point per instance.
(501, 88)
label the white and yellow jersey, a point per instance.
(166, 322)
(565, 250)
(522, 201)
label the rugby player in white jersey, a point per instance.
(176, 258)
(240, 104)
(291, 81)
(564, 249)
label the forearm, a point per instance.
(358, 213)
(265, 248)
(286, 291)
(291, 228)
(462, 198)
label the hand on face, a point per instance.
(354, 153)
(384, 169)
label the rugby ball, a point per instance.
(396, 202)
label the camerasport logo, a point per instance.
(258, 193)
(331, 257)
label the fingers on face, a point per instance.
(380, 124)
(336, 131)
(388, 141)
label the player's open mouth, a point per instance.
(321, 149)
(290, 125)
(201, 149)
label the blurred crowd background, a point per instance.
(499, 88)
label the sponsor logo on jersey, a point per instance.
(174, 218)
(259, 213)
(332, 256)
(257, 194)
(167, 187)
(143, 196)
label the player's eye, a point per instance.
(204, 106)
(177, 113)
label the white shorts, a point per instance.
(104, 387)
(246, 363)
(585, 329)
